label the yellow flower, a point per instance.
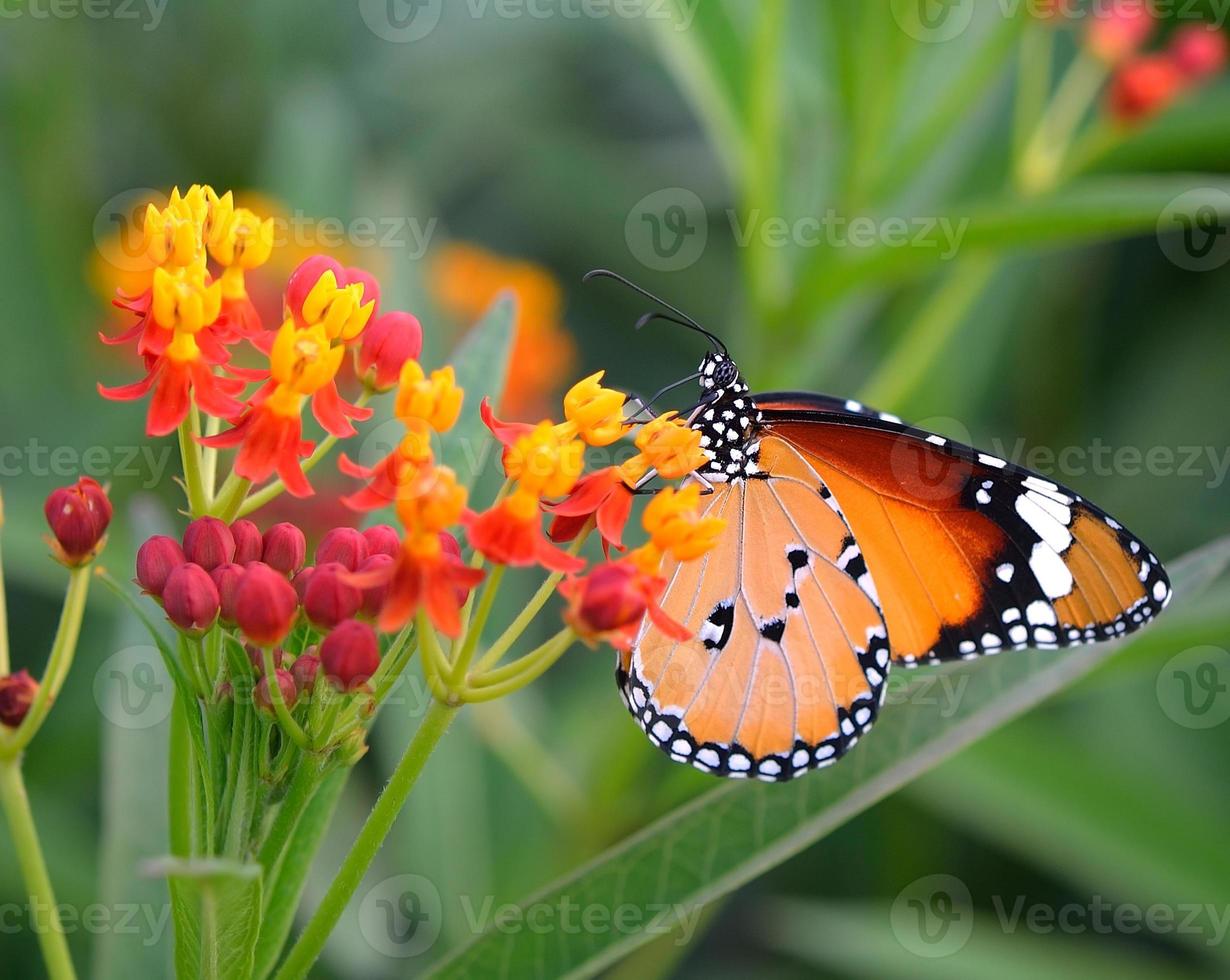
(304, 361)
(545, 462)
(596, 413)
(241, 239)
(675, 525)
(435, 400)
(184, 299)
(668, 446)
(340, 310)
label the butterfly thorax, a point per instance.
(728, 422)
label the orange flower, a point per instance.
(389, 479)
(434, 401)
(596, 414)
(669, 446)
(609, 603)
(510, 533)
(544, 461)
(466, 279)
(676, 528)
(434, 580)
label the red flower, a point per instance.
(602, 496)
(609, 603)
(1144, 86)
(1118, 29)
(16, 695)
(78, 517)
(506, 433)
(510, 533)
(387, 343)
(1199, 51)
(350, 654)
(423, 576)
(269, 441)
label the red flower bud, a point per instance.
(607, 600)
(78, 517)
(373, 595)
(301, 580)
(371, 288)
(226, 579)
(286, 685)
(1143, 87)
(304, 671)
(450, 544)
(344, 545)
(382, 539)
(16, 694)
(387, 343)
(305, 276)
(1198, 51)
(1118, 28)
(284, 548)
(248, 543)
(350, 655)
(190, 598)
(256, 657)
(156, 559)
(265, 605)
(328, 598)
(208, 542)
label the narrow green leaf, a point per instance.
(218, 915)
(735, 832)
(1091, 209)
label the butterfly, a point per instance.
(855, 543)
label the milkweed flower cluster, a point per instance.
(282, 650)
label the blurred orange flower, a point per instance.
(465, 279)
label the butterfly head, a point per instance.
(718, 373)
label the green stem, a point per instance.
(5, 663)
(190, 454)
(231, 497)
(379, 822)
(303, 785)
(63, 647)
(209, 457)
(1033, 85)
(907, 366)
(514, 676)
(43, 908)
(274, 489)
(289, 725)
(1044, 154)
(474, 629)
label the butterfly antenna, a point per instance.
(670, 387)
(683, 319)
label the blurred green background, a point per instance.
(553, 133)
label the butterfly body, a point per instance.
(856, 543)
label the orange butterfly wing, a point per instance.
(790, 657)
(970, 555)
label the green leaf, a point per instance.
(735, 832)
(218, 915)
(481, 363)
(1091, 209)
(860, 940)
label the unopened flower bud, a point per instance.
(248, 543)
(301, 579)
(156, 559)
(1198, 51)
(284, 548)
(265, 605)
(286, 685)
(16, 695)
(373, 595)
(350, 655)
(226, 579)
(344, 545)
(190, 598)
(78, 517)
(387, 343)
(382, 539)
(1119, 28)
(304, 671)
(208, 542)
(328, 598)
(606, 600)
(1143, 87)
